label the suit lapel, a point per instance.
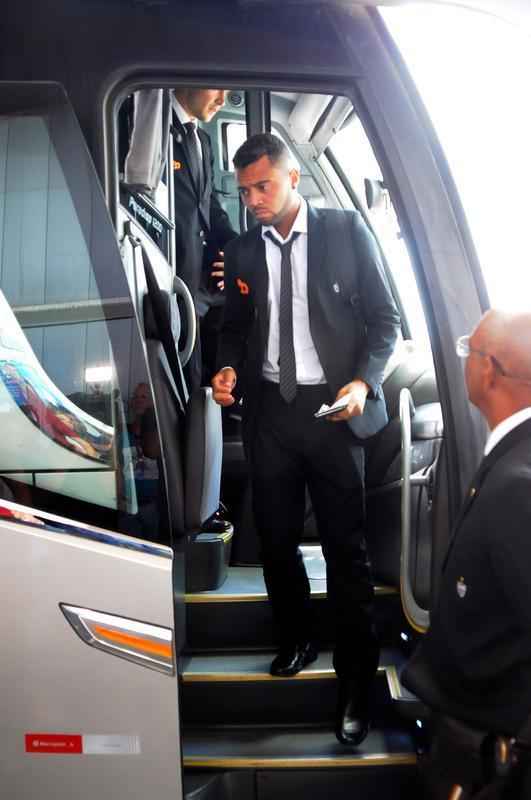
(514, 437)
(205, 160)
(317, 251)
(260, 281)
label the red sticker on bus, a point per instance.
(57, 743)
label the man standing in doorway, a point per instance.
(309, 319)
(202, 228)
(201, 225)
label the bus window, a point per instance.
(350, 150)
(145, 179)
(79, 429)
(227, 131)
(292, 121)
(478, 105)
(233, 136)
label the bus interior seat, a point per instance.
(203, 458)
(209, 549)
(170, 421)
(411, 371)
(196, 497)
(383, 475)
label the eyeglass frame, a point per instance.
(463, 350)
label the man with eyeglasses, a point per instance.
(474, 665)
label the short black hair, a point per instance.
(261, 144)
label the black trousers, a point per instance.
(290, 451)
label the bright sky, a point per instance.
(473, 73)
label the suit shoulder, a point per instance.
(506, 493)
(505, 511)
(339, 214)
(512, 472)
(242, 241)
(342, 221)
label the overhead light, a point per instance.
(98, 374)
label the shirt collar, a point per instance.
(505, 427)
(182, 115)
(300, 224)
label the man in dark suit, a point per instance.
(474, 665)
(202, 228)
(309, 319)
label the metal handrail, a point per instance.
(181, 290)
(418, 618)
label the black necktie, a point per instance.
(193, 155)
(286, 350)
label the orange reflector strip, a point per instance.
(136, 642)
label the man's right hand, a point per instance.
(223, 383)
(219, 270)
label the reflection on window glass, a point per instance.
(476, 92)
(353, 152)
(73, 427)
(234, 134)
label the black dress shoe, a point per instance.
(291, 660)
(352, 716)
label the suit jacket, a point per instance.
(475, 661)
(201, 225)
(354, 321)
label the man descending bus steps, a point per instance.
(309, 319)
(474, 665)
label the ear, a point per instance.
(490, 372)
(294, 176)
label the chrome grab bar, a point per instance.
(181, 290)
(418, 618)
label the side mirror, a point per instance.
(375, 193)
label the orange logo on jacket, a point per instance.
(242, 286)
(177, 165)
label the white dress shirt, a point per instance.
(309, 369)
(505, 426)
(184, 117)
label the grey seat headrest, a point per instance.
(204, 450)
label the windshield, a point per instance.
(472, 71)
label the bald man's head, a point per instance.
(498, 369)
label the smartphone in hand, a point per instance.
(326, 411)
